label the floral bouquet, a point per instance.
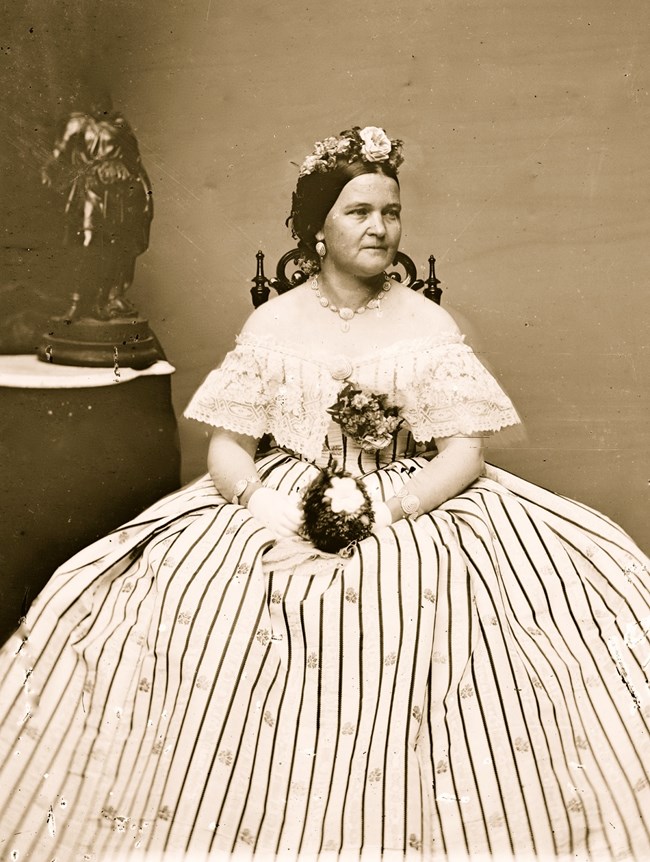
(337, 511)
(366, 417)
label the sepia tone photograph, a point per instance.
(324, 431)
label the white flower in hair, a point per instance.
(344, 495)
(331, 145)
(309, 165)
(376, 144)
(371, 144)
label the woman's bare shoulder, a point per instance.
(422, 316)
(279, 315)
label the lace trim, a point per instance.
(268, 388)
(455, 394)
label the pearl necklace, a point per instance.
(347, 314)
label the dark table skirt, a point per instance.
(74, 464)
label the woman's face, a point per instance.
(363, 229)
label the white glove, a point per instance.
(383, 515)
(276, 510)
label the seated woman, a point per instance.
(466, 681)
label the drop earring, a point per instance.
(321, 249)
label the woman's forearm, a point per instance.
(458, 463)
(231, 460)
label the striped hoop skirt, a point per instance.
(468, 685)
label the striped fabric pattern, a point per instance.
(471, 684)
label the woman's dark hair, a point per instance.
(316, 194)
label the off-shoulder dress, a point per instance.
(469, 683)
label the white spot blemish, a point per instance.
(637, 632)
(623, 672)
(449, 797)
(51, 823)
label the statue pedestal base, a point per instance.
(129, 343)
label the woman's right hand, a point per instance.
(276, 510)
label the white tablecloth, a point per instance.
(26, 371)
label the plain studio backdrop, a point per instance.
(525, 126)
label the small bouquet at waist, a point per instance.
(366, 417)
(337, 511)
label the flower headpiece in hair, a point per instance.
(370, 144)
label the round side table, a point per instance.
(82, 450)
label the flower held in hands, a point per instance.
(337, 511)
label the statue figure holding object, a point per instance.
(108, 208)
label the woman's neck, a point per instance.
(348, 290)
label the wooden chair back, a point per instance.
(284, 281)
